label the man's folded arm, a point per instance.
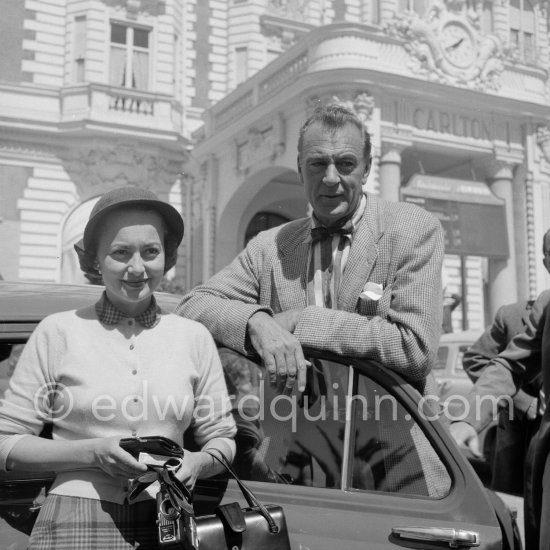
(407, 340)
(226, 303)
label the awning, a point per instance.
(474, 220)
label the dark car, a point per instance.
(358, 461)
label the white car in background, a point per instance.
(453, 380)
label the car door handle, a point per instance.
(456, 538)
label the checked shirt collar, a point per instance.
(108, 314)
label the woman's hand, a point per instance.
(110, 457)
(193, 465)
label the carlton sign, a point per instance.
(451, 123)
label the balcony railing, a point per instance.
(88, 103)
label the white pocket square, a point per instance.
(372, 291)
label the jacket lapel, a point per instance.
(362, 255)
(290, 277)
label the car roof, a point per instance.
(32, 301)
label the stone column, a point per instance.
(210, 217)
(390, 172)
(533, 251)
(502, 273)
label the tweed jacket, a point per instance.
(398, 246)
(510, 320)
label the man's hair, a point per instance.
(544, 239)
(336, 116)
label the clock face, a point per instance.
(458, 45)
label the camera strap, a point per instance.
(180, 499)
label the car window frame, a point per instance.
(379, 375)
(405, 394)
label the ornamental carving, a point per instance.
(361, 102)
(446, 46)
(197, 201)
(289, 9)
(260, 146)
(134, 7)
(104, 166)
(28, 150)
(543, 141)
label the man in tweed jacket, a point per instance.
(387, 306)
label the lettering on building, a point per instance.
(451, 123)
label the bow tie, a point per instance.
(322, 232)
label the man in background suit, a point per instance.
(518, 341)
(361, 277)
(516, 427)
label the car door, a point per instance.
(21, 493)
(358, 462)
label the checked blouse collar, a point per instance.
(108, 314)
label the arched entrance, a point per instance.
(261, 222)
(275, 191)
(72, 232)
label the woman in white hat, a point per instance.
(117, 369)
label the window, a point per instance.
(261, 222)
(459, 368)
(442, 355)
(391, 453)
(487, 18)
(79, 48)
(522, 29)
(241, 64)
(178, 68)
(288, 439)
(325, 438)
(374, 15)
(129, 56)
(417, 6)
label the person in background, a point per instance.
(360, 277)
(450, 303)
(525, 357)
(120, 368)
(515, 427)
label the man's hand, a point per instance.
(466, 437)
(280, 351)
(288, 319)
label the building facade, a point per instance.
(202, 100)
(455, 94)
(91, 97)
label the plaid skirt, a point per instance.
(74, 523)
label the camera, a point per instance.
(168, 522)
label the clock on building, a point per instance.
(458, 44)
(448, 47)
